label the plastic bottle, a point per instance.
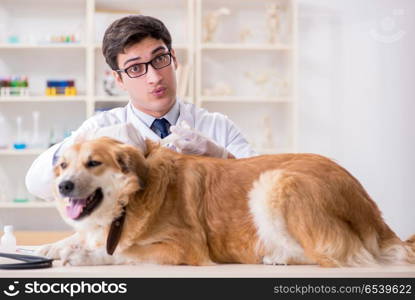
(53, 137)
(8, 241)
(19, 143)
(4, 133)
(14, 86)
(21, 193)
(25, 86)
(109, 84)
(36, 141)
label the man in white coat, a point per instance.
(139, 51)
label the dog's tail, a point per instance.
(399, 252)
(411, 243)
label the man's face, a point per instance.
(155, 92)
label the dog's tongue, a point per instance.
(75, 208)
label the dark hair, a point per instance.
(128, 31)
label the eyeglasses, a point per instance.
(158, 62)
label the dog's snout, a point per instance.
(66, 187)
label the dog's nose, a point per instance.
(66, 187)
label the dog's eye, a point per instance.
(93, 163)
(63, 165)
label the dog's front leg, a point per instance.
(73, 251)
(55, 250)
(86, 257)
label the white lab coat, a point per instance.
(218, 127)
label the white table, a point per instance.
(228, 270)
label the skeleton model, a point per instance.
(262, 81)
(259, 79)
(212, 21)
(219, 89)
(283, 87)
(109, 84)
(273, 21)
(244, 34)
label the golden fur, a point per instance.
(182, 209)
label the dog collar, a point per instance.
(115, 233)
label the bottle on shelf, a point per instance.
(21, 193)
(109, 84)
(36, 142)
(54, 136)
(19, 143)
(60, 88)
(14, 86)
(8, 241)
(4, 133)
(24, 86)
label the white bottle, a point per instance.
(8, 241)
(4, 133)
(36, 142)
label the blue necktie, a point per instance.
(161, 127)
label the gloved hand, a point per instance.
(124, 132)
(188, 141)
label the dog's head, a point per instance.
(94, 180)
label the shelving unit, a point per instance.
(111, 99)
(82, 61)
(227, 65)
(33, 204)
(43, 99)
(208, 62)
(10, 152)
(240, 46)
(244, 99)
(41, 47)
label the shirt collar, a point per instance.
(172, 115)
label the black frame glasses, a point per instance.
(153, 63)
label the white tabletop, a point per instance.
(223, 270)
(228, 270)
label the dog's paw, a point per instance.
(272, 260)
(87, 257)
(77, 257)
(46, 250)
(56, 250)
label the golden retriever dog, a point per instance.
(157, 206)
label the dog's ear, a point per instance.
(82, 137)
(56, 170)
(130, 159)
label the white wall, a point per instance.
(357, 96)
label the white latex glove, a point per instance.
(188, 141)
(124, 132)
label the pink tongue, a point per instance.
(75, 208)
